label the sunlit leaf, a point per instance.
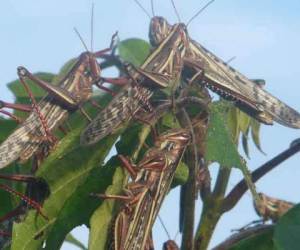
(258, 241)
(287, 230)
(72, 240)
(219, 143)
(134, 50)
(67, 172)
(102, 219)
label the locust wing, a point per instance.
(119, 111)
(30, 135)
(231, 84)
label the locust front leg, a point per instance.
(56, 92)
(20, 107)
(26, 199)
(35, 189)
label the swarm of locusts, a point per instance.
(177, 76)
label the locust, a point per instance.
(74, 89)
(161, 69)
(151, 180)
(170, 245)
(271, 208)
(202, 66)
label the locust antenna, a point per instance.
(200, 11)
(92, 28)
(230, 60)
(164, 227)
(81, 39)
(142, 7)
(152, 8)
(176, 12)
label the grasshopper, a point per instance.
(68, 96)
(217, 75)
(151, 180)
(161, 69)
(271, 208)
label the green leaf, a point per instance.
(233, 123)
(245, 144)
(255, 128)
(132, 140)
(181, 175)
(102, 219)
(287, 230)
(72, 240)
(134, 50)
(244, 122)
(219, 143)
(21, 95)
(65, 69)
(7, 126)
(259, 241)
(18, 90)
(67, 171)
(169, 120)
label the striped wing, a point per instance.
(119, 111)
(226, 81)
(27, 138)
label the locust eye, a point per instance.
(87, 72)
(126, 64)
(170, 146)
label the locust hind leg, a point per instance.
(32, 203)
(24, 73)
(14, 106)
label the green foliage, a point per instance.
(101, 220)
(21, 96)
(287, 230)
(259, 241)
(134, 50)
(74, 172)
(72, 240)
(220, 146)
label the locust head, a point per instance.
(159, 30)
(173, 139)
(90, 67)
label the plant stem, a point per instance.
(240, 189)
(212, 210)
(188, 190)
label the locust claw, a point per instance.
(22, 71)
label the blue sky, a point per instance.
(263, 35)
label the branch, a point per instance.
(188, 190)
(235, 238)
(241, 188)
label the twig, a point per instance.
(241, 188)
(250, 232)
(188, 190)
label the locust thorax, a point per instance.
(89, 73)
(175, 138)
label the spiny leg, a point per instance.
(113, 43)
(12, 116)
(23, 73)
(128, 165)
(29, 201)
(15, 106)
